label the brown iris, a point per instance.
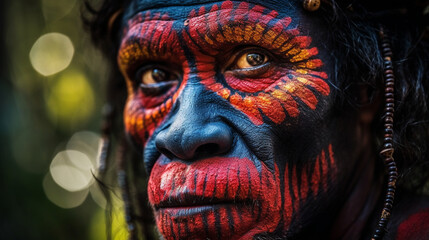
(154, 75)
(249, 60)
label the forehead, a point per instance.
(178, 9)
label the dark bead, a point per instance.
(389, 83)
(390, 105)
(389, 109)
(388, 205)
(390, 75)
(391, 163)
(388, 139)
(389, 120)
(390, 114)
(388, 71)
(390, 198)
(393, 168)
(388, 145)
(387, 52)
(390, 100)
(393, 178)
(388, 135)
(388, 125)
(389, 95)
(388, 131)
(389, 89)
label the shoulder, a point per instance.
(410, 218)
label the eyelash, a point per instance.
(253, 72)
(230, 68)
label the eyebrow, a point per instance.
(211, 29)
(147, 39)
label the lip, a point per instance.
(186, 205)
(181, 212)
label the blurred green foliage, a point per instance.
(40, 111)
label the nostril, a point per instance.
(207, 149)
(166, 152)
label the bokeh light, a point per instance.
(97, 195)
(72, 170)
(70, 101)
(51, 53)
(53, 83)
(86, 142)
(61, 197)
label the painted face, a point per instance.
(230, 103)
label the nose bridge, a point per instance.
(191, 102)
(194, 130)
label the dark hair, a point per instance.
(358, 61)
(354, 35)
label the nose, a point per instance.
(194, 140)
(194, 129)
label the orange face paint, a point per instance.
(295, 84)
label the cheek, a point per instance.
(140, 122)
(306, 185)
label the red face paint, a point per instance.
(277, 92)
(150, 38)
(230, 198)
(415, 226)
(309, 181)
(226, 197)
(216, 198)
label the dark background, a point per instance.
(47, 110)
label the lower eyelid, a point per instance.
(156, 89)
(249, 72)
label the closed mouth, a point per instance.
(186, 204)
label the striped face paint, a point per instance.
(273, 92)
(214, 91)
(150, 38)
(233, 198)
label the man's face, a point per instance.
(231, 105)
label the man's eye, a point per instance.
(251, 60)
(154, 75)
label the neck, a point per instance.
(361, 202)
